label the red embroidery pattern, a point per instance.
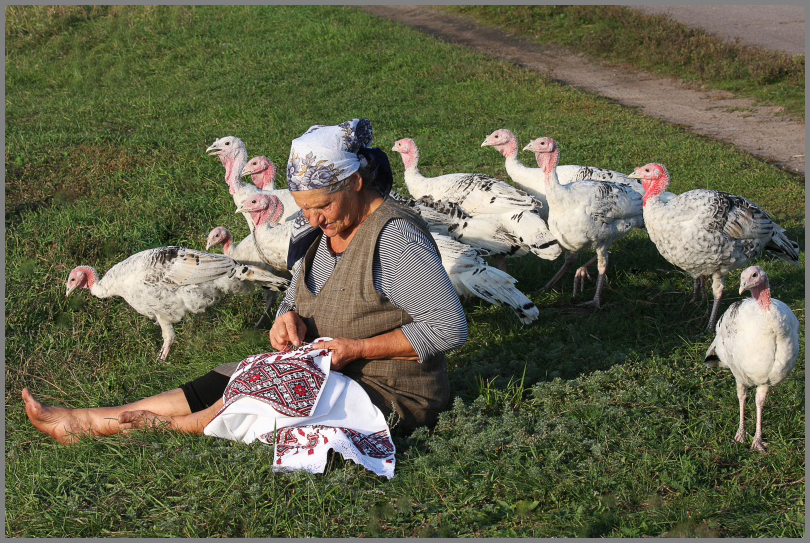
(295, 439)
(290, 385)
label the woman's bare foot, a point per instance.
(143, 419)
(58, 422)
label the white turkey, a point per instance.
(708, 233)
(450, 220)
(262, 172)
(233, 155)
(245, 252)
(483, 196)
(166, 283)
(758, 340)
(587, 213)
(531, 179)
(271, 237)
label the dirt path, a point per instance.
(738, 121)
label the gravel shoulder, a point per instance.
(759, 130)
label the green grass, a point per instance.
(582, 424)
(657, 44)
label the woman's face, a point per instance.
(335, 213)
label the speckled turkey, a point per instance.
(708, 233)
(584, 214)
(166, 283)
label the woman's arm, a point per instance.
(412, 276)
(389, 345)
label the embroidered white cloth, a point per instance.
(295, 402)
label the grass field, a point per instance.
(581, 424)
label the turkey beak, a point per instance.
(486, 142)
(744, 285)
(213, 150)
(634, 175)
(529, 147)
(68, 290)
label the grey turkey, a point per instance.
(166, 283)
(708, 233)
(449, 219)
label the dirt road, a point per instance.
(738, 121)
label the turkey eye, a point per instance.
(754, 275)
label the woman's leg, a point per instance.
(191, 423)
(69, 425)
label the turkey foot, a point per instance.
(579, 279)
(759, 445)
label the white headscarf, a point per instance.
(327, 154)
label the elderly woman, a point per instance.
(369, 277)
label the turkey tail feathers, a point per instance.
(712, 360)
(783, 248)
(498, 287)
(255, 274)
(533, 231)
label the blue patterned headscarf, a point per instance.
(324, 155)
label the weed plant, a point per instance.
(659, 45)
(584, 423)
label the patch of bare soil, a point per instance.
(759, 130)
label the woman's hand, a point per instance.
(288, 328)
(344, 350)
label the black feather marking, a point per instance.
(711, 360)
(733, 310)
(547, 244)
(166, 254)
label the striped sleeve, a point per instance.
(288, 302)
(411, 275)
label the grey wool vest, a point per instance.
(348, 305)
